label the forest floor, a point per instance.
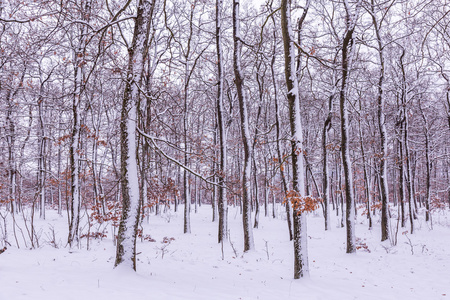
(195, 266)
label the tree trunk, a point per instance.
(401, 177)
(284, 186)
(347, 46)
(214, 188)
(256, 197)
(366, 177)
(42, 153)
(408, 175)
(266, 188)
(301, 267)
(382, 128)
(326, 186)
(11, 140)
(245, 132)
(75, 203)
(222, 192)
(59, 179)
(427, 163)
(405, 141)
(126, 239)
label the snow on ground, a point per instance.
(194, 267)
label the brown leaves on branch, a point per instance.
(361, 245)
(112, 214)
(302, 204)
(437, 203)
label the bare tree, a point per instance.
(222, 195)
(126, 239)
(347, 57)
(301, 266)
(245, 131)
(78, 61)
(377, 25)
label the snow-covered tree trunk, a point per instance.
(186, 184)
(301, 266)
(266, 187)
(126, 239)
(401, 174)
(347, 49)
(79, 62)
(405, 140)
(447, 99)
(428, 179)
(146, 154)
(42, 170)
(245, 131)
(10, 99)
(11, 141)
(326, 185)
(222, 192)
(382, 128)
(447, 106)
(284, 186)
(409, 182)
(59, 155)
(260, 83)
(187, 50)
(427, 163)
(256, 196)
(95, 175)
(448, 177)
(215, 189)
(367, 181)
(197, 192)
(75, 202)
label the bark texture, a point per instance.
(126, 239)
(222, 192)
(301, 267)
(245, 131)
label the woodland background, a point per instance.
(65, 75)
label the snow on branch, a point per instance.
(152, 139)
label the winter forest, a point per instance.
(225, 149)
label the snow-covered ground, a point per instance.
(194, 266)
